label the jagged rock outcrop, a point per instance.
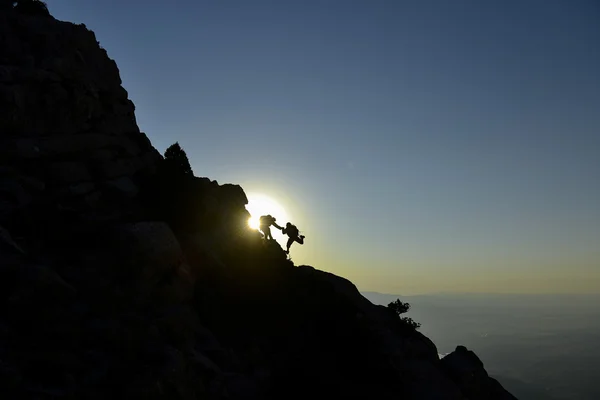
(121, 280)
(69, 138)
(466, 369)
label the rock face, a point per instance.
(69, 137)
(121, 280)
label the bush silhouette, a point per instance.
(400, 308)
(176, 161)
(176, 196)
(31, 7)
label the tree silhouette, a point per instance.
(400, 308)
(176, 160)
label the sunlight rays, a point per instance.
(259, 204)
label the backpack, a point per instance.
(266, 220)
(292, 231)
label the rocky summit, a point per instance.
(120, 278)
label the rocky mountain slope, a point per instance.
(119, 279)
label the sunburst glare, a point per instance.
(259, 204)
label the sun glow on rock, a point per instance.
(259, 204)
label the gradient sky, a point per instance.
(422, 146)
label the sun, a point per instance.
(259, 204)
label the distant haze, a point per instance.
(421, 146)
(540, 347)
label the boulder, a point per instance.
(123, 187)
(6, 241)
(80, 189)
(67, 172)
(35, 287)
(117, 168)
(467, 371)
(17, 190)
(150, 250)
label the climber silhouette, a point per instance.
(264, 224)
(293, 234)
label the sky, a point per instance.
(426, 146)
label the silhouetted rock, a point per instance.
(7, 242)
(69, 136)
(120, 279)
(466, 369)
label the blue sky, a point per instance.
(422, 146)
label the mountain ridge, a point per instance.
(121, 278)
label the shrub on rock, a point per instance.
(400, 308)
(177, 161)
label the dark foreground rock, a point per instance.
(120, 280)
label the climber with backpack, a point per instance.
(293, 234)
(264, 224)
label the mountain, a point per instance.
(120, 277)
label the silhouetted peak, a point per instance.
(467, 370)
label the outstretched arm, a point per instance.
(277, 226)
